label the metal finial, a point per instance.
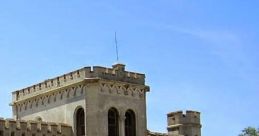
(116, 43)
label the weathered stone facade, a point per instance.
(180, 124)
(10, 127)
(92, 101)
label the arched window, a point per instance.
(130, 123)
(113, 122)
(80, 122)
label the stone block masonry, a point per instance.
(91, 101)
(186, 124)
(10, 127)
(117, 73)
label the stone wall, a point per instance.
(55, 106)
(116, 73)
(149, 133)
(179, 117)
(180, 123)
(121, 96)
(95, 90)
(10, 127)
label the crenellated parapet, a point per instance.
(46, 100)
(116, 73)
(180, 123)
(24, 128)
(190, 117)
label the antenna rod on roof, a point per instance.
(117, 52)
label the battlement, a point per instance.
(117, 73)
(21, 127)
(177, 118)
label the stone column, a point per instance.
(122, 125)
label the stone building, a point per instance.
(184, 124)
(92, 101)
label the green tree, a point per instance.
(249, 131)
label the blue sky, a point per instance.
(197, 54)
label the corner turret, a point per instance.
(180, 124)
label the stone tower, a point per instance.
(94, 101)
(180, 124)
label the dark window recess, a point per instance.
(130, 123)
(113, 122)
(80, 122)
(12, 133)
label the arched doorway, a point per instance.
(130, 123)
(113, 122)
(80, 122)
